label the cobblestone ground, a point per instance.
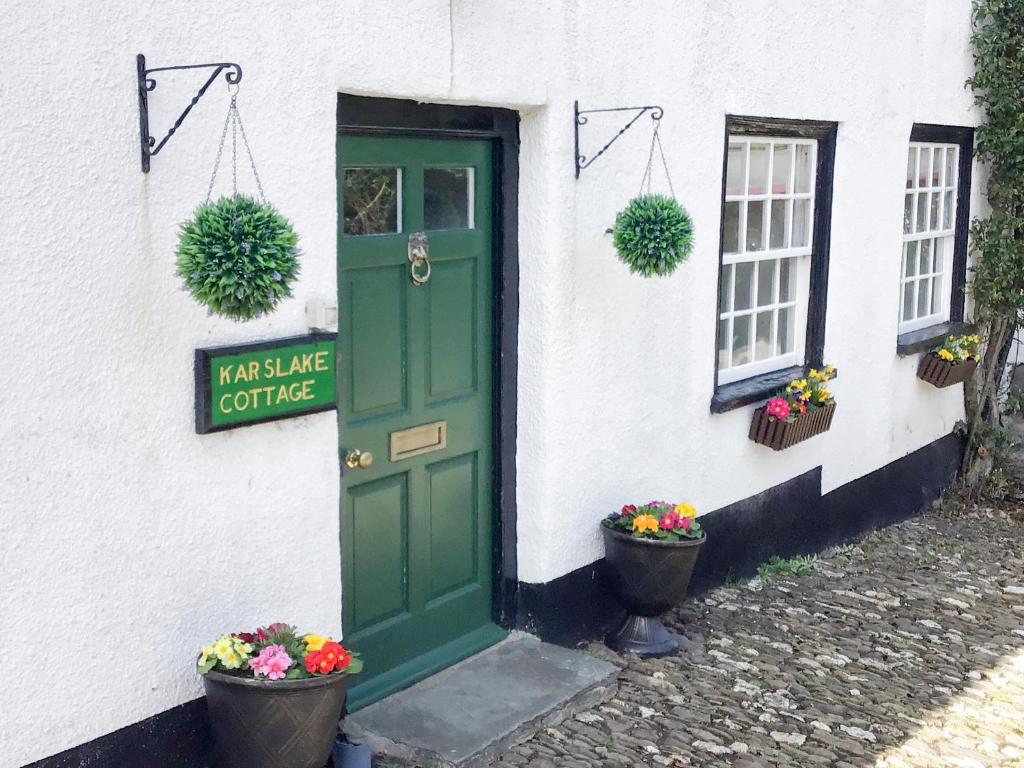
(904, 649)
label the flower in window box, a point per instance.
(952, 362)
(802, 409)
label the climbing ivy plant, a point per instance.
(997, 280)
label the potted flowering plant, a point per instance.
(650, 552)
(803, 409)
(275, 696)
(952, 362)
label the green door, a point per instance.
(414, 344)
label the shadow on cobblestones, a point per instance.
(904, 649)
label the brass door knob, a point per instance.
(357, 459)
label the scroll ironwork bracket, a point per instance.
(582, 161)
(150, 146)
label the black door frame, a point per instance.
(369, 116)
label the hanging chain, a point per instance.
(648, 173)
(234, 119)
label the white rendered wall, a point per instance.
(127, 539)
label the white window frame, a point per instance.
(801, 288)
(943, 237)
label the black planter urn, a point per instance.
(274, 723)
(649, 577)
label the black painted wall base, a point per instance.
(789, 519)
(793, 518)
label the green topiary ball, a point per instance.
(238, 257)
(653, 235)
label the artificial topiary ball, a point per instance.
(238, 257)
(653, 235)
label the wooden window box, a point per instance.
(779, 435)
(941, 373)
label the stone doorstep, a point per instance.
(469, 714)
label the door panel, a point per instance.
(417, 530)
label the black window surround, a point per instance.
(924, 339)
(737, 394)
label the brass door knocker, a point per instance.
(419, 258)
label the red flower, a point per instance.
(329, 658)
(667, 522)
(246, 637)
(685, 523)
(629, 509)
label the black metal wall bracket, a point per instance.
(582, 161)
(150, 146)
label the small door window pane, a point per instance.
(758, 169)
(448, 198)
(736, 169)
(372, 201)
(744, 285)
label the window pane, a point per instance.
(911, 166)
(933, 220)
(371, 200)
(908, 214)
(925, 168)
(741, 339)
(801, 223)
(908, 300)
(764, 345)
(758, 169)
(447, 198)
(766, 283)
(924, 298)
(939, 166)
(925, 257)
(937, 246)
(803, 168)
(725, 289)
(755, 225)
(735, 169)
(786, 328)
(723, 343)
(922, 212)
(936, 296)
(951, 162)
(744, 285)
(731, 234)
(910, 259)
(782, 169)
(787, 279)
(778, 224)
(947, 214)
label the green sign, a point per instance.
(252, 383)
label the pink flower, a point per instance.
(778, 408)
(668, 522)
(272, 662)
(686, 523)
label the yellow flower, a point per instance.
(685, 510)
(642, 523)
(315, 642)
(223, 646)
(205, 655)
(945, 354)
(231, 660)
(823, 395)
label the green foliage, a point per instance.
(1014, 401)
(238, 257)
(653, 235)
(777, 566)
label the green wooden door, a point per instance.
(414, 346)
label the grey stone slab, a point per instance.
(471, 711)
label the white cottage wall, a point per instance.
(128, 539)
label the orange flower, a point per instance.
(642, 523)
(329, 658)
